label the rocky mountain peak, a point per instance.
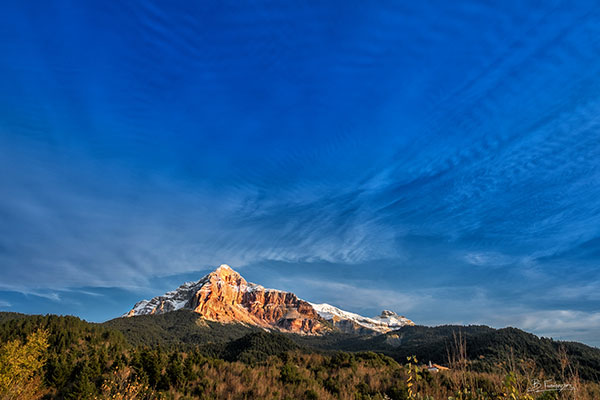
(225, 296)
(224, 270)
(227, 275)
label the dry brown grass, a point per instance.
(315, 376)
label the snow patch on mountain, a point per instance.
(393, 320)
(387, 321)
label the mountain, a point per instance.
(225, 296)
(354, 323)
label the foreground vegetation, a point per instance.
(486, 347)
(65, 358)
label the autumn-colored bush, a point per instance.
(21, 366)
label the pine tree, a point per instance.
(175, 370)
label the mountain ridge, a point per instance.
(174, 346)
(225, 296)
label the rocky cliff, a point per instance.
(225, 296)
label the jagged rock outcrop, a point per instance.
(225, 296)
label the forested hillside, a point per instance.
(485, 347)
(180, 328)
(178, 356)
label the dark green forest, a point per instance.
(485, 347)
(179, 355)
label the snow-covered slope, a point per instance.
(393, 320)
(170, 301)
(387, 321)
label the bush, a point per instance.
(21, 366)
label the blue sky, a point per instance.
(437, 159)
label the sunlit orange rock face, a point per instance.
(224, 296)
(227, 297)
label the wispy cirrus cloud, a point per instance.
(354, 296)
(459, 150)
(489, 259)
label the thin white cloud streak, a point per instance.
(489, 259)
(352, 296)
(560, 324)
(588, 292)
(479, 308)
(49, 295)
(553, 322)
